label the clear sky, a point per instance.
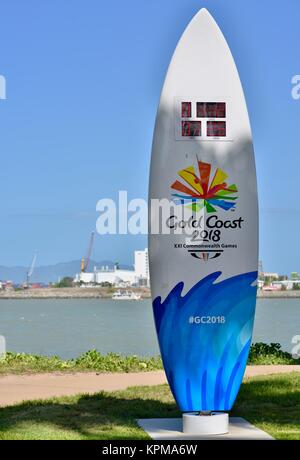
(74, 66)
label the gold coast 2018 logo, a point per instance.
(205, 189)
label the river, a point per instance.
(70, 327)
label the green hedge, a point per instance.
(263, 353)
(260, 353)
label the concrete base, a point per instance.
(171, 429)
(215, 423)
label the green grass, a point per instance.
(271, 403)
(20, 363)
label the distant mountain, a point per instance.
(51, 273)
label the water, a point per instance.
(70, 327)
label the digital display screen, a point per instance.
(216, 128)
(191, 128)
(211, 109)
(186, 109)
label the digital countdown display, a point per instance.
(186, 109)
(191, 128)
(216, 128)
(211, 110)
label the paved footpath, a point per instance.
(17, 388)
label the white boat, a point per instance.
(125, 295)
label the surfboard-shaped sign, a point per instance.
(203, 250)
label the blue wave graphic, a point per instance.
(205, 363)
(226, 205)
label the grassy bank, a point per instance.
(92, 360)
(271, 403)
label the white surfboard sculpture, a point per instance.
(203, 280)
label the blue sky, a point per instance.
(72, 66)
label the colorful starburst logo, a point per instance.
(200, 191)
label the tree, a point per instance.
(267, 281)
(67, 281)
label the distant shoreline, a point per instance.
(106, 293)
(67, 293)
(278, 294)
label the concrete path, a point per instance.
(17, 388)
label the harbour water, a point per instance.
(69, 327)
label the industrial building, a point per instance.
(118, 276)
(141, 267)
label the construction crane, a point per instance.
(85, 261)
(30, 270)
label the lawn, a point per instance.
(271, 403)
